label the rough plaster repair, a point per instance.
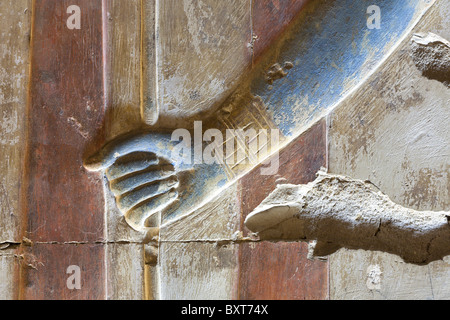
(337, 211)
(431, 55)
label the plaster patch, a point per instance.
(338, 212)
(431, 55)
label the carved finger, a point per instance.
(137, 216)
(119, 187)
(125, 167)
(157, 143)
(136, 197)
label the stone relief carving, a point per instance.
(141, 174)
(283, 92)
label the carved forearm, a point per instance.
(337, 211)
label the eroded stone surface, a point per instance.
(431, 55)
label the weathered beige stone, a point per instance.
(394, 132)
(125, 271)
(15, 29)
(202, 50)
(198, 270)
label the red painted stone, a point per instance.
(45, 272)
(281, 270)
(64, 203)
(270, 19)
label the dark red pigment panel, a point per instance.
(281, 270)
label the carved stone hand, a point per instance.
(141, 174)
